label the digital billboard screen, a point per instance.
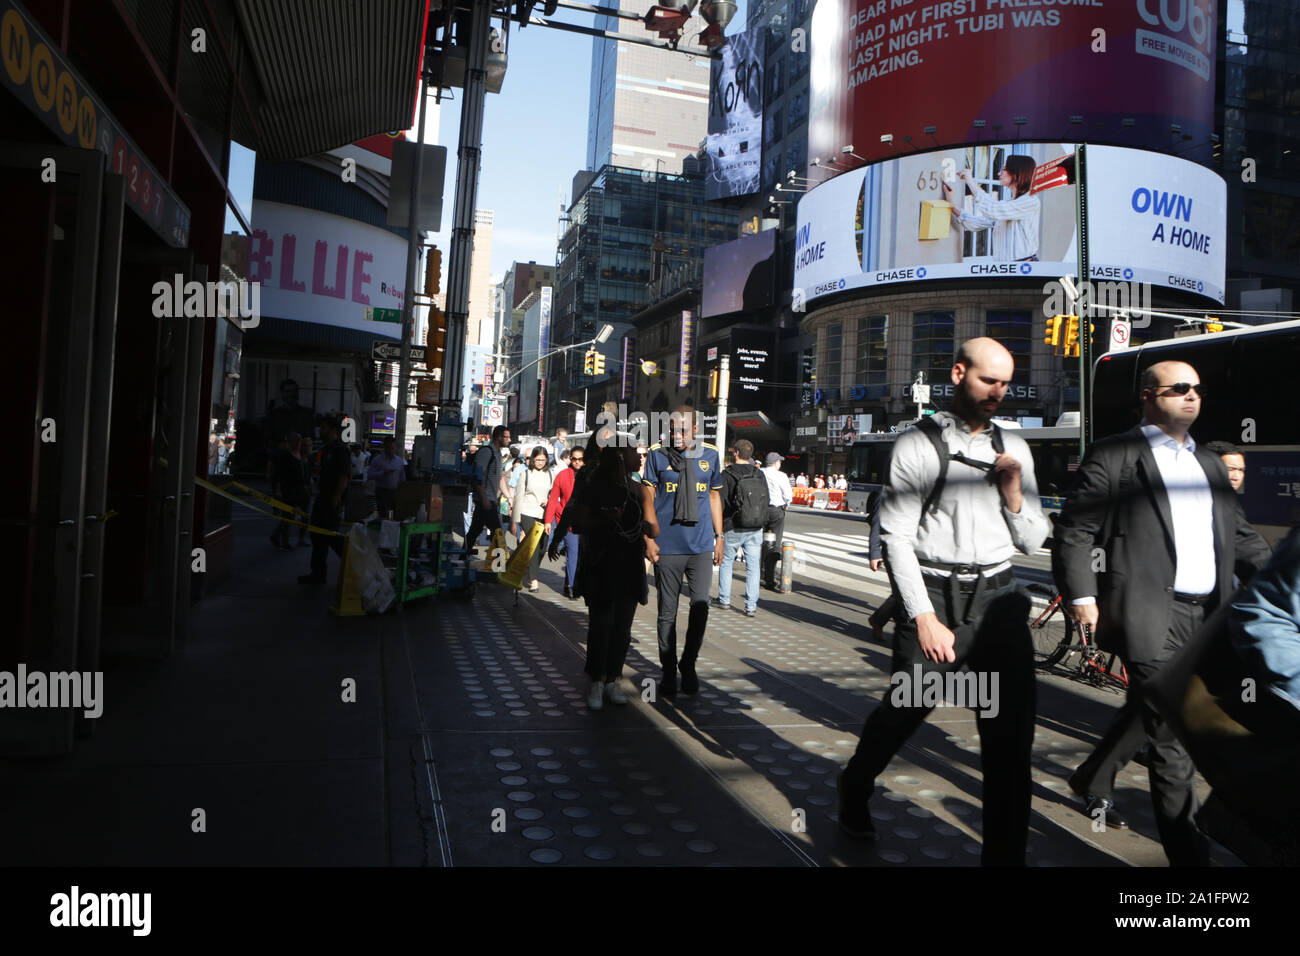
(1009, 211)
(956, 71)
(738, 274)
(735, 133)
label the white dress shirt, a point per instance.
(1191, 507)
(970, 526)
(1015, 224)
(779, 493)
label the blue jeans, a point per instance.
(752, 541)
(570, 557)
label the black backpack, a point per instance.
(934, 432)
(746, 505)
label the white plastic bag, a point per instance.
(390, 535)
(366, 572)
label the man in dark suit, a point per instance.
(1145, 547)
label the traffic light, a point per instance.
(714, 378)
(432, 271)
(1053, 336)
(1072, 336)
(598, 359)
(589, 362)
(1214, 325)
(435, 340)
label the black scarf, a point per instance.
(685, 506)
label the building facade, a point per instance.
(648, 108)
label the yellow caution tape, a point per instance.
(267, 499)
(302, 524)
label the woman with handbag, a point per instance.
(532, 491)
(614, 513)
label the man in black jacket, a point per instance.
(1145, 546)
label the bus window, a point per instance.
(1264, 365)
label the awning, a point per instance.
(294, 332)
(332, 71)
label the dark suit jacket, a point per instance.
(1119, 505)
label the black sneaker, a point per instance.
(668, 687)
(854, 820)
(717, 602)
(690, 682)
(751, 612)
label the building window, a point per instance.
(984, 162)
(829, 375)
(1012, 327)
(873, 342)
(932, 345)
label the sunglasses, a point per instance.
(579, 459)
(1182, 388)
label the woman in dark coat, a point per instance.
(613, 513)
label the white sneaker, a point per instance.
(615, 693)
(596, 696)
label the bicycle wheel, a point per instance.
(1052, 632)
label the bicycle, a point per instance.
(1053, 633)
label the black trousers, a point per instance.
(324, 515)
(386, 501)
(609, 633)
(772, 550)
(1170, 769)
(885, 613)
(526, 523)
(297, 497)
(698, 569)
(992, 637)
(485, 516)
(1118, 745)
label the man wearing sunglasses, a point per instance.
(1145, 548)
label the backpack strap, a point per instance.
(934, 432)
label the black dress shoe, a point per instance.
(668, 686)
(1109, 813)
(690, 682)
(568, 592)
(855, 819)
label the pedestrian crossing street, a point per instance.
(818, 554)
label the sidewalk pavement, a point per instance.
(469, 743)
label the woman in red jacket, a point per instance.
(561, 492)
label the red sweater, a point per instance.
(560, 494)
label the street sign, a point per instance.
(921, 394)
(493, 413)
(375, 314)
(1120, 330)
(382, 351)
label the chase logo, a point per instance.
(843, 283)
(920, 273)
(1024, 268)
(1128, 273)
(1200, 286)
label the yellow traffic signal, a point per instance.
(435, 339)
(599, 363)
(433, 271)
(589, 362)
(714, 377)
(1214, 325)
(1072, 336)
(1053, 332)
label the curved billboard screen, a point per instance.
(947, 72)
(1009, 211)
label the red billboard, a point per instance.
(889, 76)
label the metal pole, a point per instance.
(724, 389)
(462, 239)
(1085, 313)
(412, 256)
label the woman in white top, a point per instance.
(1015, 221)
(532, 491)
